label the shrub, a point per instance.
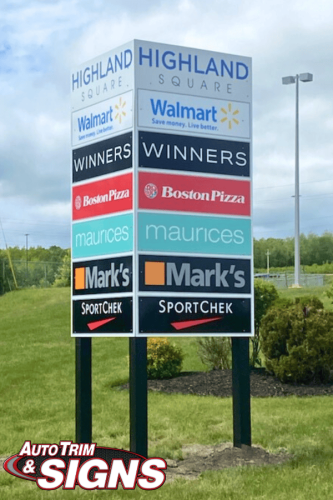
(265, 294)
(164, 360)
(215, 352)
(297, 342)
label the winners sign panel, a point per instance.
(162, 193)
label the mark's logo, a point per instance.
(109, 275)
(194, 274)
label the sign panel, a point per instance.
(161, 193)
(102, 158)
(200, 315)
(103, 119)
(103, 276)
(102, 316)
(105, 236)
(194, 234)
(107, 196)
(105, 76)
(185, 70)
(184, 193)
(193, 114)
(194, 154)
(180, 274)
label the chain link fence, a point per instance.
(285, 280)
(27, 274)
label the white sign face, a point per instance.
(103, 77)
(103, 119)
(193, 114)
(183, 70)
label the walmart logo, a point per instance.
(230, 116)
(121, 113)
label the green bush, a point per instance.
(297, 341)
(164, 360)
(215, 352)
(265, 294)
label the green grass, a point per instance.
(37, 402)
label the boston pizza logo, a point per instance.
(151, 191)
(78, 202)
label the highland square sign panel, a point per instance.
(161, 193)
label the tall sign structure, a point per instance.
(161, 193)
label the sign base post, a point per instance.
(241, 391)
(138, 396)
(83, 420)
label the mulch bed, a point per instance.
(219, 383)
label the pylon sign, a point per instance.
(161, 193)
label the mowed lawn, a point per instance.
(37, 403)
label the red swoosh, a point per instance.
(181, 325)
(96, 324)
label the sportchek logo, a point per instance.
(194, 114)
(102, 316)
(186, 274)
(108, 196)
(85, 465)
(104, 276)
(194, 194)
(195, 315)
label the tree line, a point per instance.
(314, 249)
(38, 266)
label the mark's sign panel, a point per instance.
(193, 114)
(105, 236)
(102, 276)
(101, 158)
(194, 154)
(100, 120)
(188, 315)
(193, 234)
(164, 273)
(182, 193)
(103, 197)
(102, 316)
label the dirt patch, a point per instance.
(219, 383)
(200, 458)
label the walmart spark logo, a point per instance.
(230, 116)
(120, 110)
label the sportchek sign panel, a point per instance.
(200, 315)
(161, 174)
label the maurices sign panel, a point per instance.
(161, 193)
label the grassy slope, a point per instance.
(37, 403)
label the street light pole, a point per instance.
(303, 77)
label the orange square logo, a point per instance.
(154, 273)
(80, 278)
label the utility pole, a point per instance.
(267, 254)
(26, 253)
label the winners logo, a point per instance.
(86, 465)
(151, 191)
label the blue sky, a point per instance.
(40, 41)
